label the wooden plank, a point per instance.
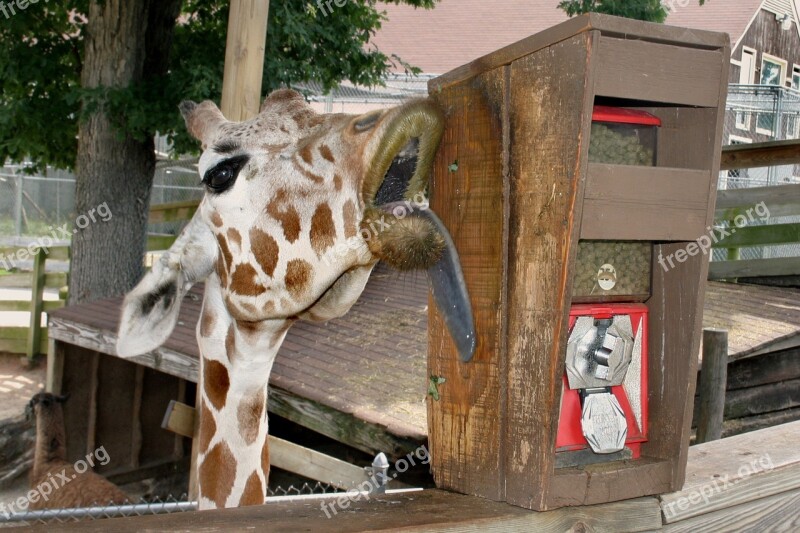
(761, 235)
(57, 253)
(762, 399)
(317, 466)
(416, 510)
(159, 242)
(172, 211)
(342, 427)
(244, 59)
(473, 204)
(765, 369)
(93, 385)
(550, 92)
(660, 73)
(760, 154)
(667, 203)
(136, 417)
(713, 382)
(25, 305)
(737, 470)
(77, 370)
(737, 426)
(55, 367)
(612, 26)
(782, 266)
(20, 346)
(22, 280)
(116, 410)
(777, 200)
(19, 333)
(37, 293)
(774, 513)
(180, 418)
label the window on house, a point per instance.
(796, 77)
(747, 76)
(773, 70)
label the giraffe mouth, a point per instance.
(398, 177)
(404, 156)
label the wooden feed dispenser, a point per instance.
(537, 222)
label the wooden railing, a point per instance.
(776, 201)
(32, 340)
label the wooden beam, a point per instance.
(761, 235)
(172, 211)
(760, 154)
(754, 465)
(713, 381)
(244, 58)
(37, 293)
(55, 367)
(779, 200)
(782, 266)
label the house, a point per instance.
(764, 101)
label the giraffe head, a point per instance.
(298, 208)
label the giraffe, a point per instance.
(298, 209)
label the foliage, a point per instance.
(41, 59)
(649, 10)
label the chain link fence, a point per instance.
(754, 114)
(153, 506)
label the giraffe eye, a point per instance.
(222, 176)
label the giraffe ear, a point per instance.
(150, 310)
(202, 119)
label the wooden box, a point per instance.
(520, 199)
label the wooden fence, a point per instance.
(775, 201)
(32, 339)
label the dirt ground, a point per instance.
(17, 384)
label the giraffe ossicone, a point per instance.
(299, 207)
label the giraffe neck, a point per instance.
(236, 361)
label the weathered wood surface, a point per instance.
(358, 379)
(782, 266)
(760, 154)
(737, 470)
(473, 204)
(713, 382)
(429, 511)
(546, 192)
(778, 200)
(750, 482)
(758, 319)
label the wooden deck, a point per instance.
(745, 483)
(361, 379)
(358, 379)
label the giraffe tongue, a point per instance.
(448, 286)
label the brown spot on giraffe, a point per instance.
(265, 458)
(249, 416)
(286, 214)
(265, 250)
(298, 275)
(207, 321)
(222, 270)
(349, 217)
(235, 237)
(216, 219)
(310, 175)
(230, 343)
(208, 427)
(216, 383)
(253, 493)
(225, 251)
(323, 231)
(306, 155)
(326, 153)
(217, 473)
(337, 182)
(243, 281)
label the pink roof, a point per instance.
(458, 31)
(727, 16)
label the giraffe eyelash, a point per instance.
(222, 176)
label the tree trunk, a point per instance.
(126, 42)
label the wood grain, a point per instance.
(546, 191)
(464, 426)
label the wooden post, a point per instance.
(713, 381)
(244, 58)
(37, 293)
